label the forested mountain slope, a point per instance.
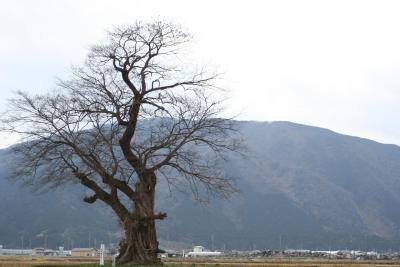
(301, 187)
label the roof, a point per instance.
(83, 249)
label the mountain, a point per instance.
(300, 187)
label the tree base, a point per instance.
(138, 249)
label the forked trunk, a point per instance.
(140, 245)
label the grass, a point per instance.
(76, 265)
(235, 265)
(106, 265)
(222, 262)
(27, 261)
(293, 264)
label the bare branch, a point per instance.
(123, 120)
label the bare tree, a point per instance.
(126, 118)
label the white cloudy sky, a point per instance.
(333, 64)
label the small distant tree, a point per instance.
(129, 116)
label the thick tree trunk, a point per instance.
(140, 245)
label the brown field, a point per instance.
(22, 261)
(6, 261)
(297, 262)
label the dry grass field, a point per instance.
(21, 261)
(226, 262)
(262, 262)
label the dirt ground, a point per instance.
(16, 261)
(22, 261)
(261, 262)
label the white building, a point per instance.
(16, 252)
(199, 251)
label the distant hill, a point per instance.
(301, 187)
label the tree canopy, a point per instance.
(130, 115)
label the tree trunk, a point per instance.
(140, 245)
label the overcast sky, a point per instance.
(333, 64)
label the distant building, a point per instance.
(162, 255)
(50, 252)
(38, 252)
(199, 251)
(84, 252)
(62, 252)
(16, 252)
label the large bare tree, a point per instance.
(128, 117)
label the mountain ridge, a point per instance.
(308, 186)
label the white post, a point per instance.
(114, 257)
(102, 255)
